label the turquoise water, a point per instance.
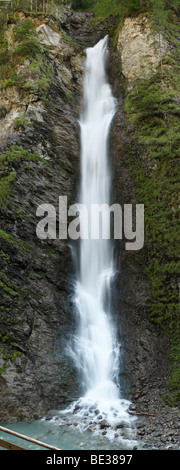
(69, 436)
(63, 438)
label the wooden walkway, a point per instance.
(9, 446)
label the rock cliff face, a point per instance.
(143, 363)
(40, 121)
(141, 49)
(148, 154)
(37, 315)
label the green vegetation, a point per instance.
(117, 10)
(102, 9)
(25, 35)
(24, 45)
(23, 30)
(153, 112)
(45, 76)
(7, 352)
(21, 123)
(22, 246)
(8, 286)
(5, 189)
(105, 8)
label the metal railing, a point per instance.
(10, 446)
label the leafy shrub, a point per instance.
(26, 45)
(82, 4)
(21, 122)
(27, 48)
(23, 30)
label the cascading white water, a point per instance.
(95, 347)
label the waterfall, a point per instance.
(95, 348)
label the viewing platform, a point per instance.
(11, 446)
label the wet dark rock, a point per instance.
(76, 408)
(92, 408)
(89, 429)
(120, 426)
(141, 432)
(154, 432)
(132, 407)
(104, 425)
(80, 28)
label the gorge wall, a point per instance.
(39, 112)
(37, 276)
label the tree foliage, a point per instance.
(105, 8)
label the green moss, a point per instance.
(21, 123)
(7, 352)
(153, 113)
(10, 291)
(7, 237)
(5, 189)
(8, 285)
(104, 9)
(158, 192)
(22, 246)
(4, 258)
(70, 96)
